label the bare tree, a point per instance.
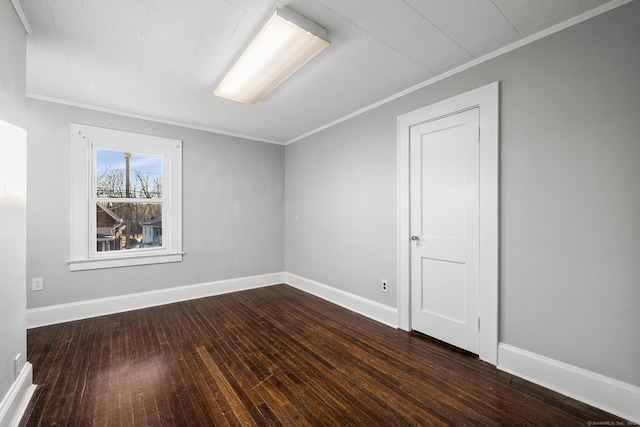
(110, 183)
(148, 185)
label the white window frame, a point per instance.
(84, 142)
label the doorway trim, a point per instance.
(487, 99)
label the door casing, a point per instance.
(486, 98)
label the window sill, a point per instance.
(129, 261)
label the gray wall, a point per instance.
(12, 213)
(341, 186)
(570, 205)
(233, 198)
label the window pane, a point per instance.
(127, 226)
(144, 173)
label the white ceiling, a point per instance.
(161, 59)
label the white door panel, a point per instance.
(445, 296)
(444, 193)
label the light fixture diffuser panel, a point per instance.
(284, 45)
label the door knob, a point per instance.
(416, 239)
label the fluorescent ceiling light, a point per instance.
(286, 43)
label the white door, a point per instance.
(444, 198)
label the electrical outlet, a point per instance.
(385, 285)
(16, 367)
(37, 284)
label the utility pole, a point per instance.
(127, 158)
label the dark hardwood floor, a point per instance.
(271, 356)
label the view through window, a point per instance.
(129, 205)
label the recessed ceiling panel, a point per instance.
(392, 21)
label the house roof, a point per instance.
(109, 212)
(155, 222)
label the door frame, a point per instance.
(487, 99)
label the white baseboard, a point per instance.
(15, 402)
(371, 309)
(608, 394)
(98, 307)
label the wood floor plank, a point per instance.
(234, 401)
(272, 356)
